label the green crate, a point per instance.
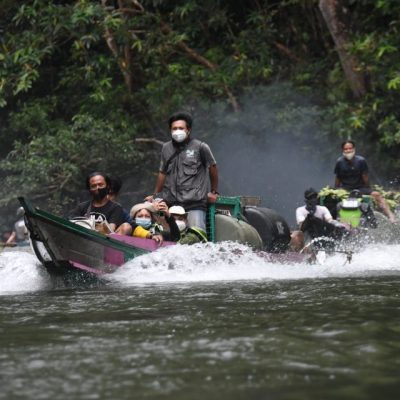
(224, 205)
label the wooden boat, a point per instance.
(63, 246)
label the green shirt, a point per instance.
(192, 236)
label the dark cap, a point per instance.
(310, 193)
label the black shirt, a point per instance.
(111, 212)
(350, 172)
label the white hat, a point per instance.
(137, 207)
(178, 210)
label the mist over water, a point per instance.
(279, 173)
(275, 147)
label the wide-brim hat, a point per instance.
(137, 207)
(178, 210)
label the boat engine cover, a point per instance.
(272, 228)
(229, 228)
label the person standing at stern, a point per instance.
(187, 170)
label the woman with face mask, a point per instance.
(147, 217)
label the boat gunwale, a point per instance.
(66, 225)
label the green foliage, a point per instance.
(375, 118)
(337, 194)
(52, 165)
(391, 197)
(80, 81)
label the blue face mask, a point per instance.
(143, 222)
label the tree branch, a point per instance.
(149, 140)
(285, 50)
(125, 61)
(330, 10)
(166, 29)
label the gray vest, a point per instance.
(186, 181)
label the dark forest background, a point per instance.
(274, 87)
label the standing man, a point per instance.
(351, 172)
(187, 165)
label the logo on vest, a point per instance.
(190, 153)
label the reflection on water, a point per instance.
(179, 327)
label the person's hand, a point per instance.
(311, 209)
(212, 197)
(161, 207)
(158, 239)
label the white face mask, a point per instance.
(350, 155)
(179, 135)
(181, 225)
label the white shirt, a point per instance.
(321, 212)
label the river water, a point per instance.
(206, 321)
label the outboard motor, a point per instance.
(272, 228)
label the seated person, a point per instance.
(351, 172)
(144, 216)
(355, 212)
(107, 214)
(188, 235)
(20, 234)
(115, 186)
(314, 221)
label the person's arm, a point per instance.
(159, 185)
(327, 215)
(145, 234)
(116, 217)
(364, 172)
(160, 182)
(12, 238)
(336, 171)
(174, 234)
(213, 173)
(365, 179)
(300, 216)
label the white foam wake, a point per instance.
(231, 261)
(20, 272)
